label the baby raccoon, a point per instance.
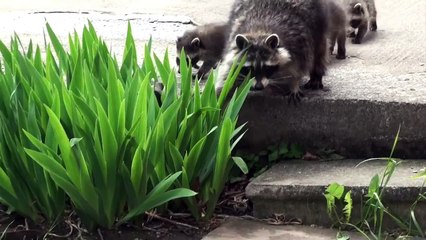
(362, 15)
(284, 41)
(337, 27)
(204, 43)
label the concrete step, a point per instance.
(239, 229)
(295, 189)
(355, 127)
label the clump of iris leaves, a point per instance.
(80, 129)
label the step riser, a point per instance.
(315, 212)
(357, 129)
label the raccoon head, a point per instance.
(192, 46)
(265, 58)
(357, 14)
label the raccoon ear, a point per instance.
(179, 40)
(358, 9)
(196, 42)
(241, 41)
(272, 41)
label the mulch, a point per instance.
(173, 226)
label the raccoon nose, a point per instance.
(355, 23)
(258, 86)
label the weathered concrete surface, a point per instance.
(356, 128)
(295, 188)
(379, 87)
(111, 27)
(238, 229)
(163, 20)
(202, 11)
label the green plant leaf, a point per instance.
(241, 164)
(373, 186)
(347, 210)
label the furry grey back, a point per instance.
(300, 24)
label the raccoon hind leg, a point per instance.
(341, 45)
(319, 67)
(373, 15)
(373, 24)
(333, 37)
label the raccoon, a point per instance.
(204, 43)
(362, 16)
(284, 40)
(337, 23)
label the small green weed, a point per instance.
(259, 162)
(340, 204)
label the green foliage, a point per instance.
(373, 209)
(25, 84)
(208, 127)
(259, 162)
(78, 125)
(333, 194)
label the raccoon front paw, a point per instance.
(313, 84)
(295, 97)
(199, 76)
(340, 56)
(373, 26)
(356, 41)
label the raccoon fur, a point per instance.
(284, 40)
(362, 16)
(204, 43)
(337, 24)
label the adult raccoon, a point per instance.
(362, 16)
(204, 43)
(284, 40)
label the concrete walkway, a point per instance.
(163, 20)
(238, 229)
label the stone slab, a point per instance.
(295, 188)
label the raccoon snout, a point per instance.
(258, 86)
(355, 23)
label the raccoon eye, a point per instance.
(269, 70)
(245, 70)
